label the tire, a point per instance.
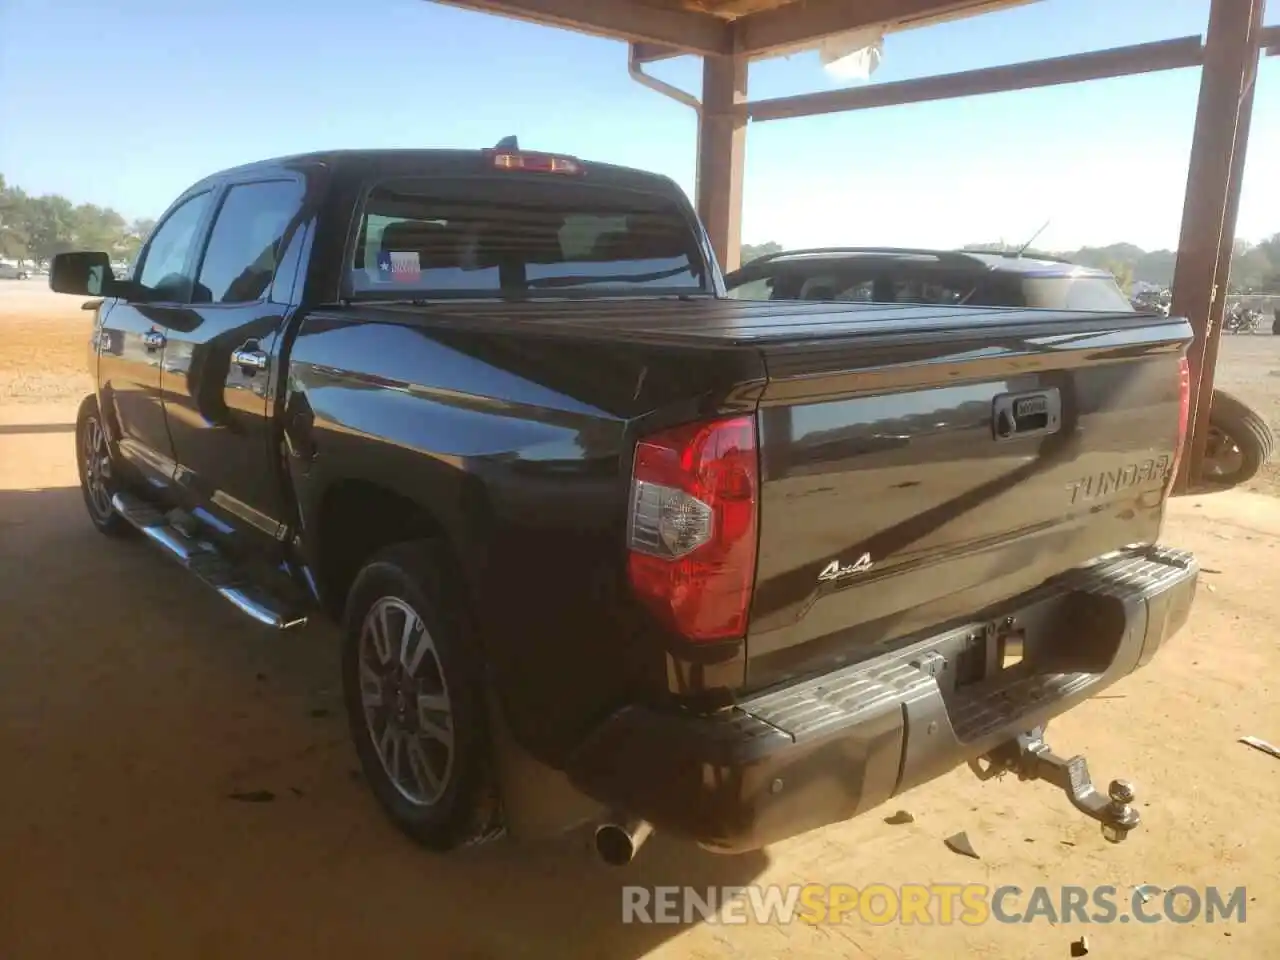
(1233, 423)
(457, 804)
(97, 471)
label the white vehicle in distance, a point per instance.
(11, 271)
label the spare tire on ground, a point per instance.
(1240, 442)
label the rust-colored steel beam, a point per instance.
(740, 8)
(804, 24)
(1232, 46)
(1203, 396)
(689, 30)
(797, 25)
(649, 52)
(722, 145)
(1271, 40)
(1117, 62)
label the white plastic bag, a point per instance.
(852, 56)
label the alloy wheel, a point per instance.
(406, 703)
(97, 468)
(1223, 456)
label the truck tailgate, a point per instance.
(913, 474)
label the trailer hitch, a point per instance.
(1032, 759)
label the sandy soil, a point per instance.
(44, 343)
(133, 703)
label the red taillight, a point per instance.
(692, 528)
(1184, 414)
(535, 162)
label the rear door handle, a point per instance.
(153, 340)
(250, 359)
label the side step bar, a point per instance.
(204, 560)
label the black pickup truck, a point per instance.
(605, 545)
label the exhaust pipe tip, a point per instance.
(617, 843)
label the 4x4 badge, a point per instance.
(833, 570)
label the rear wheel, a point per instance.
(414, 697)
(97, 472)
(1240, 442)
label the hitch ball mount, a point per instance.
(1032, 759)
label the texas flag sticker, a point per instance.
(399, 267)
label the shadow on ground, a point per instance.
(19, 429)
(134, 703)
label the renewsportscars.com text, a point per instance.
(935, 903)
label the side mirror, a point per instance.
(85, 274)
(89, 275)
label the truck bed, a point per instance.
(878, 443)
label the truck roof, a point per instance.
(383, 162)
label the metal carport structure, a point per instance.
(728, 34)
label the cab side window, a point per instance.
(164, 265)
(933, 290)
(247, 241)
(758, 289)
(838, 287)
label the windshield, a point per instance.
(486, 237)
(1075, 293)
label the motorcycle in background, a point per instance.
(1241, 319)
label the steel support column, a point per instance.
(1209, 363)
(1212, 199)
(722, 145)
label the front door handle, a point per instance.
(153, 340)
(250, 359)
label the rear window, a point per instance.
(486, 237)
(1075, 293)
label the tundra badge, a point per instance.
(833, 570)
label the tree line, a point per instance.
(1255, 267)
(33, 229)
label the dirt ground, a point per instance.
(44, 352)
(133, 703)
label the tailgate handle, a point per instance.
(1016, 416)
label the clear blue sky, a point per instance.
(124, 103)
